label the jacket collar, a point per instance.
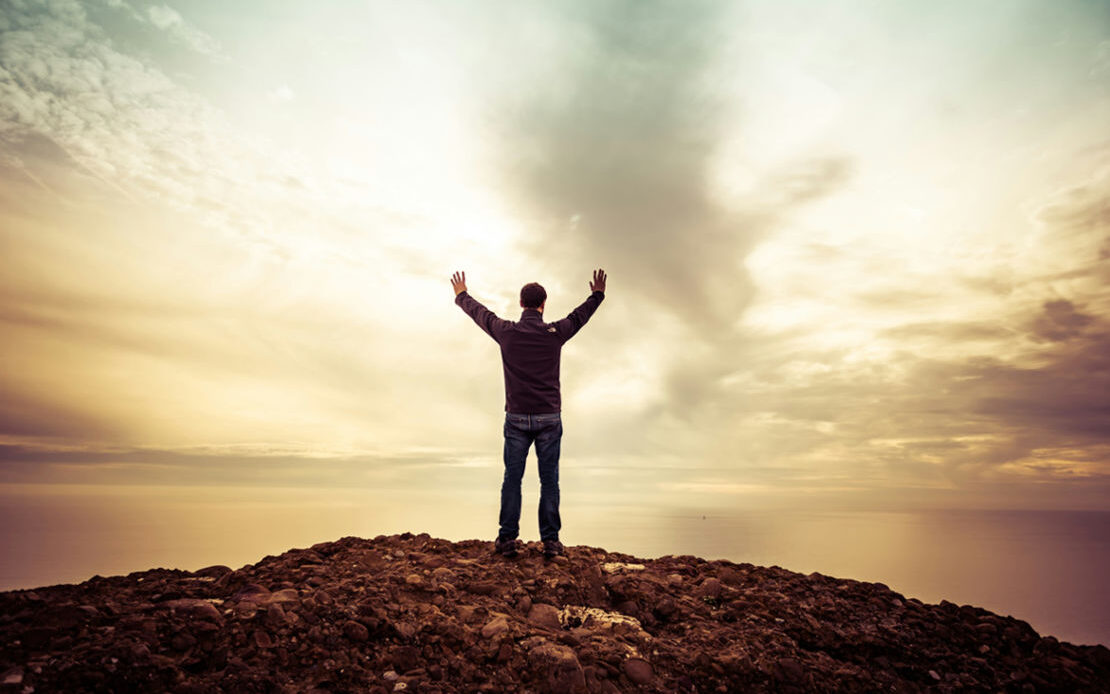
(531, 314)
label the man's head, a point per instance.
(532, 295)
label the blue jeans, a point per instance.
(546, 430)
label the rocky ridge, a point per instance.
(415, 613)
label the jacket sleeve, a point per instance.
(486, 319)
(570, 325)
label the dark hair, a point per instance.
(532, 295)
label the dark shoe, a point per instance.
(552, 549)
(506, 547)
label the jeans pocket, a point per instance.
(520, 421)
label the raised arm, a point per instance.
(486, 319)
(570, 325)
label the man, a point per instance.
(530, 352)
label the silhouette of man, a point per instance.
(530, 351)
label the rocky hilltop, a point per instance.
(415, 613)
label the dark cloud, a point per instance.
(613, 163)
(1065, 403)
(1060, 321)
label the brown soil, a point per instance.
(414, 613)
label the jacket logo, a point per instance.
(551, 330)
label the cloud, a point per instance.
(949, 332)
(891, 352)
(178, 29)
(610, 159)
(613, 161)
(989, 384)
(1081, 212)
(126, 123)
(257, 466)
(28, 414)
(1060, 321)
(1017, 396)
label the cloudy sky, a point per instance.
(858, 252)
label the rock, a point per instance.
(709, 588)
(545, 615)
(284, 595)
(404, 629)
(262, 639)
(355, 631)
(275, 615)
(483, 587)
(404, 657)
(601, 621)
(615, 567)
(12, 676)
(560, 667)
(638, 670)
(215, 571)
(250, 590)
(789, 670)
(495, 627)
(465, 612)
(183, 641)
(665, 607)
(196, 609)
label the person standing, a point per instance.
(530, 352)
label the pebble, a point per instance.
(495, 627)
(638, 670)
(709, 588)
(355, 631)
(545, 615)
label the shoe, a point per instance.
(552, 549)
(506, 547)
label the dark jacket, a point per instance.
(530, 351)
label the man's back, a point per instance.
(530, 351)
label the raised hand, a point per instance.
(458, 282)
(598, 283)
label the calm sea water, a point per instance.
(1048, 568)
